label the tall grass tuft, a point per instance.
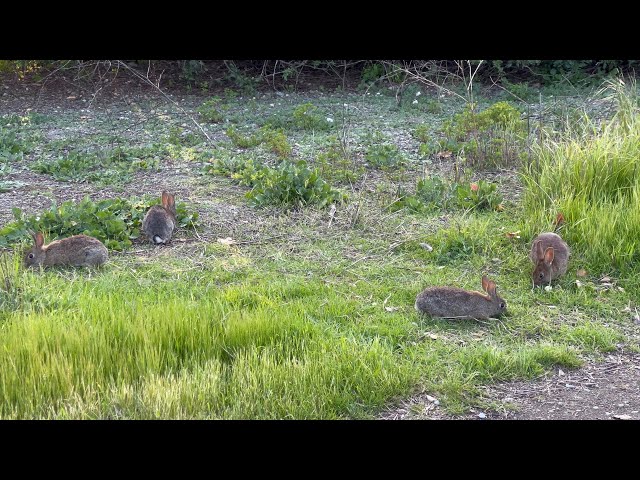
(591, 175)
(10, 281)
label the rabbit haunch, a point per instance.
(160, 221)
(77, 251)
(453, 302)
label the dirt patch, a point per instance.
(598, 391)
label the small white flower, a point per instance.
(418, 93)
(271, 105)
(548, 288)
(345, 105)
(415, 101)
(329, 119)
(377, 93)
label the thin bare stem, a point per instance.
(157, 87)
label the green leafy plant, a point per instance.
(241, 168)
(480, 195)
(230, 94)
(432, 193)
(522, 91)
(370, 74)
(6, 185)
(308, 117)
(250, 174)
(293, 184)
(11, 147)
(274, 138)
(432, 106)
(336, 163)
(5, 166)
(422, 133)
(225, 164)
(243, 141)
(380, 153)
(244, 82)
(490, 138)
(116, 222)
(210, 110)
(178, 137)
(108, 167)
(413, 203)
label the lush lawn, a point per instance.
(316, 321)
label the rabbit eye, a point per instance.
(31, 255)
(502, 305)
(541, 275)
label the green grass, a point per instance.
(592, 176)
(248, 334)
(310, 315)
(254, 340)
(104, 168)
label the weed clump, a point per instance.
(106, 168)
(491, 138)
(115, 222)
(433, 193)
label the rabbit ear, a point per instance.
(485, 283)
(548, 255)
(165, 199)
(39, 239)
(171, 200)
(539, 250)
(491, 288)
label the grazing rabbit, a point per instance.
(78, 251)
(550, 255)
(453, 302)
(160, 221)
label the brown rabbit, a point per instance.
(160, 221)
(78, 251)
(550, 255)
(453, 302)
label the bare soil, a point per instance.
(605, 390)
